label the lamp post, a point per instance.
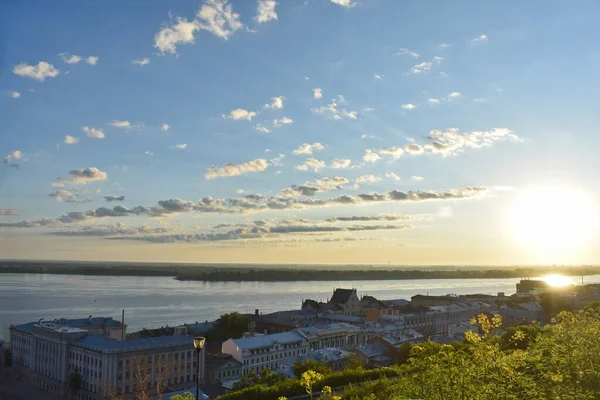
(199, 342)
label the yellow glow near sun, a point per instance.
(552, 219)
(557, 280)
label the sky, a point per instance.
(315, 132)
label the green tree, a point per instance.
(519, 337)
(310, 365)
(228, 326)
(185, 396)
(74, 383)
(403, 353)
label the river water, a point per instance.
(151, 302)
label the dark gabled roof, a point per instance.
(341, 296)
(219, 360)
(310, 303)
(372, 301)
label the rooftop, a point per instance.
(341, 296)
(261, 341)
(102, 343)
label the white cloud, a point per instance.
(277, 161)
(414, 148)
(120, 124)
(333, 110)
(218, 18)
(81, 176)
(229, 169)
(261, 128)
(444, 45)
(71, 139)
(368, 109)
(378, 77)
(179, 146)
(404, 51)
(370, 156)
(266, 11)
(438, 59)
(64, 196)
(92, 132)
(149, 153)
(392, 175)
(15, 155)
(239, 191)
(433, 100)
(365, 136)
(70, 59)
(367, 179)
(276, 104)
(141, 62)
(317, 93)
(311, 163)
(479, 39)
(307, 149)
(394, 152)
(416, 178)
(409, 106)
(282, 121)
(344, 3)
(40, 72)
(452, 141)
(14, 94)
(341, 163)
(443, 74)
(92, 60)
(240, 113)
(480, 100)
(454, 95)
(169, 37)
(165, 127)
(422, 67)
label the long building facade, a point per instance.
(46, 354)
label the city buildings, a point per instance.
(222, 368)
(339, 335)
(334, 358)
(47, 353)
(258, 352)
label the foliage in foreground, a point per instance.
(559, 361)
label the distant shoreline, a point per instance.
(212, 273)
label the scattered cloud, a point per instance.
(422, 67)
(332, 109)
(452, 141)
(433, 101)
(81, 176)
(378, 77)
(240, 113)
(367, 179)
(8, 212)
(371, 156)
(453, 95)
(341, 163)
(65, 196)
(479, 39)
(239, 191)
(257, 165)
(141, 62)
(393, 176)
(444, 45)
(40, 72)
(70, 59)
(438, 59)
(403, 51)
(277, 103)
(277, 161)
(92, 132)
(71, 140)
(215, 16)
(480, 100)
(282, 121)
(14, 156)
(318, 93)
(413, 148)
(416, 178)
(266, 11)
(113, 198)
(365, 136)
(92, 60)
(165, 127)
(312, 163)
(317, 186)
(307, 149)
(409, 106)
(182, 146)
(344, 3)
(394, 152)
(120, 124)
(14, 94)
(148, 153)
(262, 128)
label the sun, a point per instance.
(552, 220)
(557, 280)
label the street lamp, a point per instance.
(199, 342)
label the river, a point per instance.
(151, 302)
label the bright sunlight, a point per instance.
(557, 280)
(552, 219)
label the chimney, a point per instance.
(122, 325)
(256, 312)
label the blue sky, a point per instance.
(448, 96)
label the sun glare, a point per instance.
(552, 219)
(557, 280)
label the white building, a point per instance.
(337, 335)
(46, 354)
(265, 351)
(336, 359)
(452, 314)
